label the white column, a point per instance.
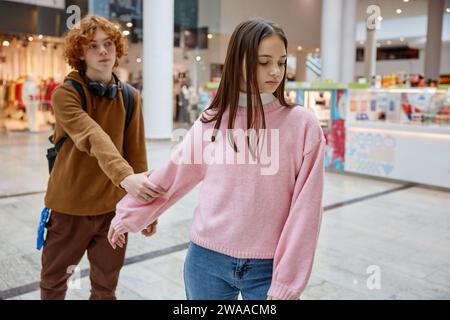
(330, 39)
(300, 70)
(370, 54)
(348, 52)
(434, 39)
(157, 93)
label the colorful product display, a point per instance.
(400, 80)
(380, 132)
(420, 106)
(329, 108)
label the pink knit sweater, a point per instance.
(266, 208)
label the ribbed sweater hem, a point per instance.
(283, 292)
(235, 253)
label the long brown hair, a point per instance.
(243, 46)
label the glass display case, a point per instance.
(402, 134)
(320, 102)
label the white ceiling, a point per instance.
(301, 19)
(412, 8)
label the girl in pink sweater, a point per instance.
(260, 161)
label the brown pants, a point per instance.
(68, 238)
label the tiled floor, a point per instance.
(401, 238)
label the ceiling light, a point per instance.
(126, 33)
(5, 43)
(299, 48)
(398, 11)
(129, 24)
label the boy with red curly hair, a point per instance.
(100, 161)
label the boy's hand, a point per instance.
(140, 187)
(150, 230)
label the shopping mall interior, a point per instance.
(376, 74)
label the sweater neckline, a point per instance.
(270, 102)
(268, 107)
(266, 98)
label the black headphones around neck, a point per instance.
(101, 89)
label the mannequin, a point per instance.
(30, 98)
(193, 104)
(183, 104)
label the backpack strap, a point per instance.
(128, 102)
(80, 91)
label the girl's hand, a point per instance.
(115, 239)
(150, 230)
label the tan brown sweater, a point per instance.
(91, 164)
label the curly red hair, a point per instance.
(77, 39)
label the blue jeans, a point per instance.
(210, 275)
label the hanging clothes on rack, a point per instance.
(18, 93)
(11, 93)
(51, 86)
(2, 94)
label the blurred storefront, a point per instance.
(31, 63)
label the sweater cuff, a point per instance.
(282, 292)
(118, 225)
(122, 175)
